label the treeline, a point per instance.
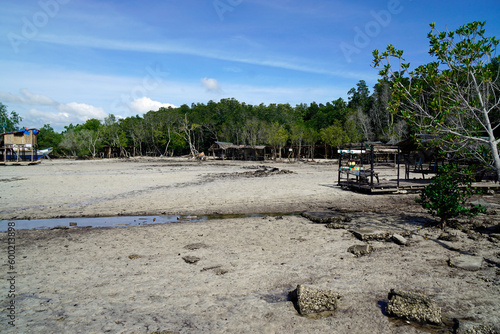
(193, 129)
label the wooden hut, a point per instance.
(19, 146)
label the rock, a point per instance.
(220, 271)
(73, 224)
(413, 306)
(325, 217)
(194, 246)
(466, 262)
(368, 234)
(134, 256)
(337, 226)
(399, 239)
(469, 327)
(494, 237)
(360, 250)
(311, 300)
(448, 237)
(191, 259)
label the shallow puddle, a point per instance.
(122, 221)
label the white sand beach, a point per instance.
(140, 279)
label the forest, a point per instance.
(193, 129)
(455, 98)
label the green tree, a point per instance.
(49, 138)
(277, 136)
(334, 135)
(9, 122)
(297, 133)
(311, 136)
(448, 193)
(70, 142)
(456, 97)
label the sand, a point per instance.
(136, 279)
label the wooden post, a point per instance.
(340, 165)
(371, 166)
(398, 162)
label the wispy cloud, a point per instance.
(175, 47)
(53, 112)
(27, 98)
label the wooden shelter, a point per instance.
(19, 146)
(358, 162)
(224, 150)
(360, 166)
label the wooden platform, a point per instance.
(408, 186)
(20, 163)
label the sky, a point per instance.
(66, 61)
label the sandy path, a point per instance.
(134, 279)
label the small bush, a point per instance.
(448, 193)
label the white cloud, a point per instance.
(211, 85)
(145, 104)
(64, 114)
(27, 98)
(82, 111)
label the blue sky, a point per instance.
(65, 61)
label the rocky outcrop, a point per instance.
(466, 262)
(368, 234)
(332, 219)
(413, 306)
(191, 259)
(360, 250)
(313, 301)
(399, 239)
(469, 327)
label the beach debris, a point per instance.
(195, 246)
(313, 301)
(466, 262)
(360, 250)
(220, 271)
(185, 218)
(469, 327)
(413, 306)
(191, 259)
(210, 268)
(73, 224)
(60, 228)
(399, 239)
(262, 171)
(134, 256)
